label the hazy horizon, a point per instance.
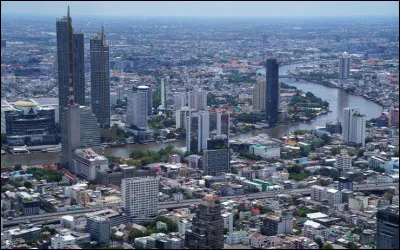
(292, 10)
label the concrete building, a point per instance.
(333, 127)
(274, 225)
(332, 196)
(80, 130)
(197, 99)
(208, 226)
(26, 232)
(237, 237)
(86, 163)
(181, 116)
(343, 163)
(258, 100)
(70, 63)
(314, 230)
(140, 197)
(179, 100)
(183, 226)
(394, 116)
(228, 221)
(28, 204)
(353, 127)
(137, 113)
(344, 68)
(272, 92)
(265, 152)
(387, 233)
(99, 229)
(100, 79)
(345, 183)
(215, 162)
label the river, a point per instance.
(337, 98)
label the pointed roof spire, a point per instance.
(68, 12)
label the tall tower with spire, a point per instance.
(70, 64)
(100, 79)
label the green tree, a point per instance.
(328, 246)
(319, 242)
(28, 184)
(351, 245)
(17, 167)
(326, 138)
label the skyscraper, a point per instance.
(259, 96)
(79, 69)
(140, 197)
(181, 116)
(353, 126)
(207, 226)
(197, 131)
(100, 79)
(69, 63)
(272, 92)
(387, 232)
(79, 130)
(136, 113)
(344, 68)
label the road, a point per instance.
(47, 218)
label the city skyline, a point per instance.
(206, 9)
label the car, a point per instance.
(247, 195)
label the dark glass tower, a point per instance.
(208, 226)
(387, 232)
(70, 62)
(100, 79)
(272, 92)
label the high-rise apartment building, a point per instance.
(259, 96)
(353, 126)
(272, 92)
(387, 232)
(274, 225)
(179, 100)
(70, 63)
(207, 226)
(344, 68)
(197, 99)
(79, 130)
(140, 197)
(394, 116)
(136, 112)
(343, 163)
(99, 229)
(181, 116)
(100, 79)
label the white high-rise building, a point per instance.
(344, 68)
(181, 116)
(179, 100)
(343, 163)
(137, 110)
(140, 197)
(197, 131)
(163, 105)
(197, 99)
(353, 126)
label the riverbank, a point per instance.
(337, 98)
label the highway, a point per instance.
(47, 218)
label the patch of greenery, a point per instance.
(45, 174)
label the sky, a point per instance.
(204, 9)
